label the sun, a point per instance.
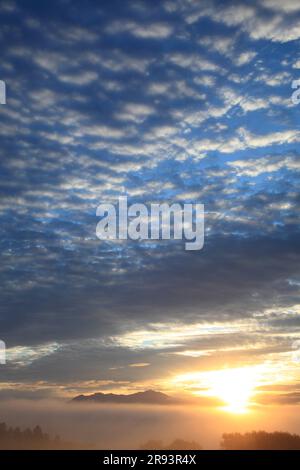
(235, 387)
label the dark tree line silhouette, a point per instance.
(255, 440)
(35, 439)
(16, 439)
(260, 440)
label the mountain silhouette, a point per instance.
(147, 397)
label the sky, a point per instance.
(170, 101)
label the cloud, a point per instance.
(145, 31)
(273, 25)
(82, 79)
(255, 167)
(192, 61)
(288, 6)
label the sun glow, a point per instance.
(234, 387)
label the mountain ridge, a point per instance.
(146, 397)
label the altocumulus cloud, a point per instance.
(167, 102)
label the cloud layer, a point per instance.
(178, 102)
